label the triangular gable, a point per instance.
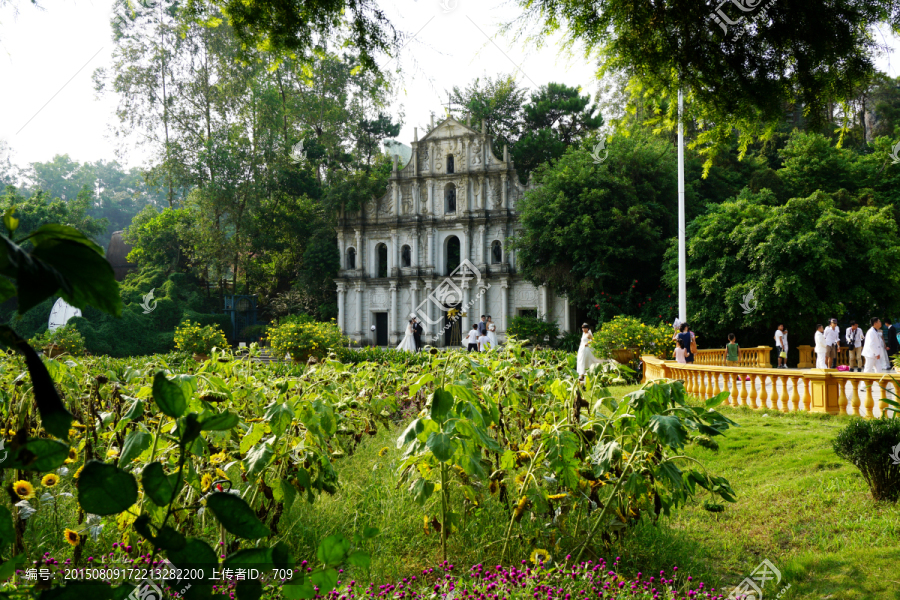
(449, 127)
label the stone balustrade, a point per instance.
(816, 390)
(808, 357)
(747, 357)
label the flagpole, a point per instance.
(682, 253)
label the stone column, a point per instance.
(504, 304)
(359, 308)
(431, 156)
(360, 260)
(482, 299)
(502, 246)
(566, 325)
(395, 253)
(341, 289)
(465, 305)
(415, 197)
(429, 249)
(465, 155)
(479, 255)
(392, 317)
(503, 189)
(413, 299)
(428, 307)
(395, 195)
(415, 249)
(464, 246)
(430, 202)
(341, 251)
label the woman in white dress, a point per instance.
(586, 358)
(409, 342)
(491, 332)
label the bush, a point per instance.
(302, 337)
(869, 444)
(533, 329)
(629, 333)
(570, 341)
(377, 355)
(191, 337)
(66, 339)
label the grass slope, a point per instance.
(799, 506)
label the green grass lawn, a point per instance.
(799, 506)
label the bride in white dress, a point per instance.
(409, 342)
(586, 358)
(492, 332)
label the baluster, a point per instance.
(842, 399)
(689, 381)
(776, 395)
(795, 395)
(707, 390)
(784, 395)
(882, 405)
(764, 395)
(854, 397)
(752, 383)
(743, 389)
(807, 397)
(734, 388)
(870, 401)
(716, 390)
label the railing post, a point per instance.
(762, 357)
(806, 360)
(824, 392)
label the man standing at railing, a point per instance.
(832, 342)
(854, 339)
(873, 349)
(780, 346)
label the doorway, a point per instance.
(381, 329)
(455, 325)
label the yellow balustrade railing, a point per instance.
(808, 357)
(747, 357)
(786, 390)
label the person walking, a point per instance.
(586, 358)
(732, 351)
(832, 342)
(854, 339)
(821, 348)
(779, 347)
(679, 353)
(873, 348)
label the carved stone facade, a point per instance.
(453, 203)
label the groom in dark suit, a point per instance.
(417, 333)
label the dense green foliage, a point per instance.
(873, 447)
(537, 330)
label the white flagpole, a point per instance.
(682, 253)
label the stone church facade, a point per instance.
(438, 240)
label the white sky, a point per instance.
(42, 50)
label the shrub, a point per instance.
(65, 338)
(630, 333)
(302, 337)
(570, 341)
(871, 445)
(533, 329)
(191, 337)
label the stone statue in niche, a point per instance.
(423, 160)
(478, 183)
(477, 149)
(407, 202)
(439, 158)
(495, 194)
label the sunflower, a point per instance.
(206, 481)
(112, 453)
(24, 490)
(383, 451)
(78, 472)
(494, 487)
(72, 537)
(73, 456)
(221, 473)
(520, 479)
(50, 480)
(425, 526)
(557, 496)
(540, 556)
(520, 508)
(218, 458)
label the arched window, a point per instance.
(452, 246)
(382, 266)
(496, 252)
(450, 169)
(450, 198)
(351, 258)
(405, 257)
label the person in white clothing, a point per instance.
(780, 346)
(492, 331)
(586, 358)
(409, 341)
(484, 343)
(832, 341)
(821, 348)
(854, 338)
(472, 339)
(873, 348)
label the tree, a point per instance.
(790, 52)
(496, 103)
(557, 117)
(594, 230)
(804, 260)
(157, 239)
(40, 209)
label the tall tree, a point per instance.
(495, 102)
